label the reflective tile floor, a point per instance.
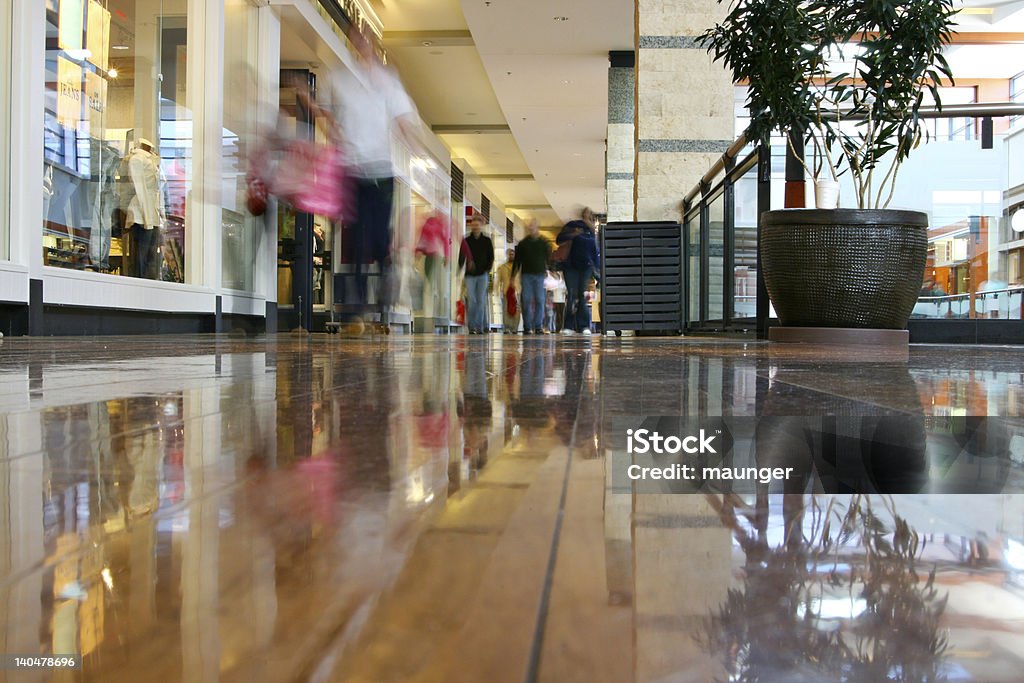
(449, 509)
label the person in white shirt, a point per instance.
(369, 105)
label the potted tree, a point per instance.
(852, 76)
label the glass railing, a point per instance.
(969, 188)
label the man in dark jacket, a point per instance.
(532, 260)
(580, 267)
(477, 256)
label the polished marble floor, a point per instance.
(448, 509)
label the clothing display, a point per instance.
(104, 162)
(146, 208)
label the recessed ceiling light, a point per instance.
(427, 43)
(118, 47)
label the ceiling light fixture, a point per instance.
(118, 47)
(1017, 221)
(427, 43)
(560, 18)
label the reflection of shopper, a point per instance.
(531, 260)
(477, 256)
(146, 209)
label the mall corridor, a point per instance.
(447, 508)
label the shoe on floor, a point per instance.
(586, 332)
(567, 332)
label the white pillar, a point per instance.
(27, 90)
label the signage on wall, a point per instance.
(97, 35)
(96, 101)
(72, 12)
(69, 92)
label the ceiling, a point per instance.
(481, 73)
(518, 88)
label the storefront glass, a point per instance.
(118, 137)
(5, 130)
(240, 230)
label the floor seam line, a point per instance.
(536, 646)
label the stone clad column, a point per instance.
(621, 152)
(684, 104)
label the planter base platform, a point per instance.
(839, 335)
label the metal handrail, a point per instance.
(730, 154)
(949, 111)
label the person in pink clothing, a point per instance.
(433, 245)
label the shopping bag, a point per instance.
(312, 178)
(511, 304)
(460, 312)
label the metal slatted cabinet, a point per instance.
(642, 277)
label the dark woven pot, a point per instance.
(857, 268)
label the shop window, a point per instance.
(239, 229)
(117, 141)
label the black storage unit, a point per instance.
(642, 277)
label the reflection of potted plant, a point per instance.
(804, 62)
(843, 598)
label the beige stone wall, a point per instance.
(674, 18)
(620, 148)
(684, 104)
(621, 157)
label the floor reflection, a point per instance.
(435, 508)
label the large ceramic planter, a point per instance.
(855, 268)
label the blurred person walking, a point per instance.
(531, 264)
(369, 105)
(477, 257)
(433, 245)
(582, 263)
(508, 292)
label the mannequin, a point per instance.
(104, 161)
(146, 209)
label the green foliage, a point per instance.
(891, 56)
